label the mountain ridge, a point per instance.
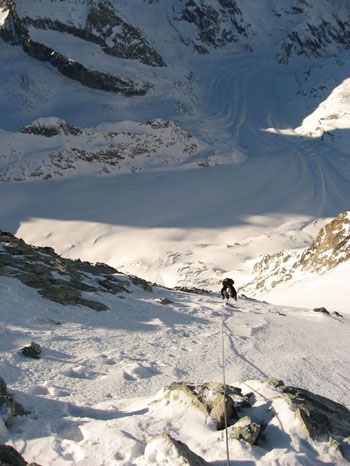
(214, 23)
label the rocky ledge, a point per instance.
(62, 280)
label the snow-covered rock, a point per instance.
(50, 147)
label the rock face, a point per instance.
(312, 40)
(100, 23)
(126, 43)
(75, 70)
(61, 280)
(330, 248)
(216, 25)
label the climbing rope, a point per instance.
(224, 385)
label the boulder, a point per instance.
(319, 416)
(245, 429)
(212, 398)
(31, 351)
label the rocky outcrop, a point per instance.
(319, 416)
(75, 70)
(255, 416)
(309, 30)
(303, 29)
(127, 43)
(9, 408)
(50, 128)
(213, 399)
(313, 40)
(107, 29)
(9, 456)
(215, 26)
(64, 281)
(330, 248)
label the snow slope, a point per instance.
(90, 393)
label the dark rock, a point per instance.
(318, 415)
(70, 296)
(31, 351)
(10, 457)
(323, 310)
(90, 78)
(194, 290)
(216, 27)
(165, 301)
(111, 285)
(141, 282)
(9, 408)
(314, 40)
(128, 42)
(245, 429)
(101, 23)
